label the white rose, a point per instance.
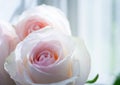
(40, 17)
(8, 41)
(48, 57)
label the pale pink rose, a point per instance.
(49, 57)
(40, 17)
(8, 41)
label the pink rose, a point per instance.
(49, 57)
(40, 17)
(8, 41)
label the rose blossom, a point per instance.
(8, 41)
(40, 17)
(48, 57)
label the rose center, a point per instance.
(45, 58)
(45, 53)
(36, 26)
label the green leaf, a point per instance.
(117, 81)
(93, 80)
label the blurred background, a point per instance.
(96, 21)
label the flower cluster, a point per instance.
(40, 50)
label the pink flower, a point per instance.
(40, 17)
(49, 57)
(8, 41)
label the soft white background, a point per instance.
(96, 21)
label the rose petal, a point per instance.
(82, 61)
(7, 32)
